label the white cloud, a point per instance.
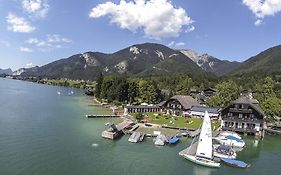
(57, 39)
(29, 65)
(171, 43)
(157, 18)
(258, 22)
(180, 44)
(5, 43)
(51, 42)
(36, 8)
(263, 8)
(18, 24)
(25, 49)
(174, 44)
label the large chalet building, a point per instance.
(243, 115)
(179, 105)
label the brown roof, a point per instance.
(186, 101)
(250, 101)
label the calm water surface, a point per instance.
(43, 133)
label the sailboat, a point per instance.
(203, 153)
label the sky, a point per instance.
(37, 32)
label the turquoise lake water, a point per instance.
(43, 133)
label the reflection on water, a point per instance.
(200, 170)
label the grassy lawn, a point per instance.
(176, 121)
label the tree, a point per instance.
(106, 92)
(264, 89)
(99, 85)
(272, 107)
(148, 91)
(139, 116)
(132, 91)
(227, 92)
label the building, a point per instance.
(243, 115)
(143, 108)
(200, 111)
(209, 92)
(204, 95)
(179, 105)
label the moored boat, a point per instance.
(235, 163)
(173, 140)
(230, 133)
(203, 153)
(160, 140)
(230, 141)
(224, 151)
(134, 138)
(142, 137)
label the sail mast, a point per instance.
(205, 146)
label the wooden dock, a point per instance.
(174, 127)
(272, 131)
(194, 133)
(102, 116)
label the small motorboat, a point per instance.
(134, 138)
(235, 163)
(142, 137)
(229, 133)
(160, 140)
(230, 141)
(224, 151)
(173, 140)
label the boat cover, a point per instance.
(237, 163)
(173, 140)
(233, 138)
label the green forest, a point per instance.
(154, 89)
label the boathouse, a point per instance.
(179, 105)
(199, 111)
(243, 115)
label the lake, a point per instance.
(43, 133)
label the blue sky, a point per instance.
(36, 32)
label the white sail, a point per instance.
(205, 147)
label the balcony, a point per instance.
(241, 120)
(239, 110)
(244, 130)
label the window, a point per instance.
(240, 115)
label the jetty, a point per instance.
(101, 116)
(194, 133)
(272, 131)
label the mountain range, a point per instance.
(6, 71)
(211, 64)
(151, 59)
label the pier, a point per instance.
(102, 116)
(272, 131)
